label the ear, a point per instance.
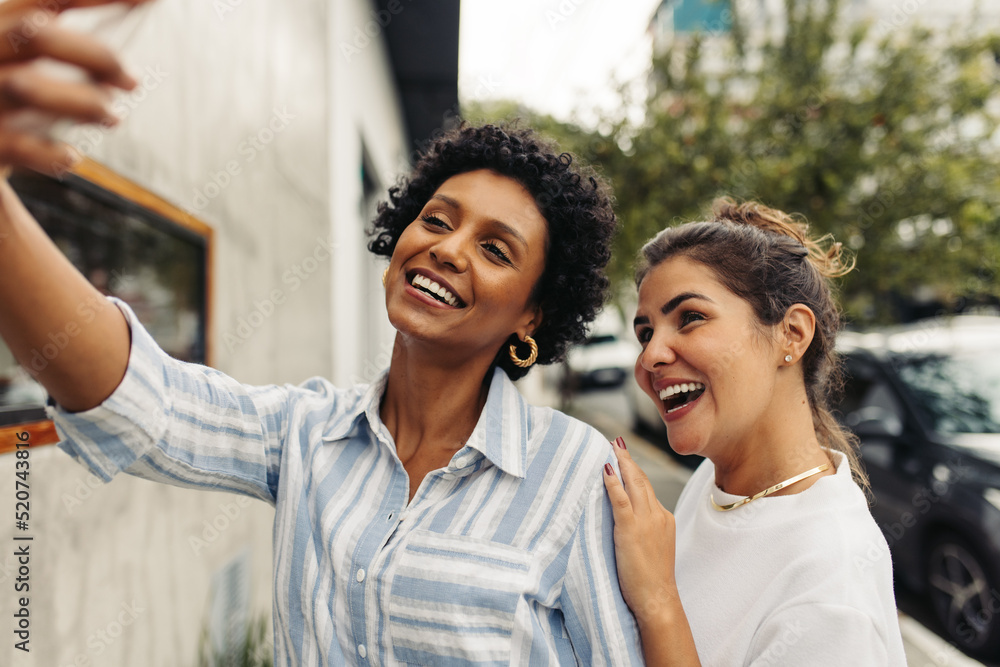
(798, 328)
(530, 322)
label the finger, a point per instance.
(73, 48)
(621, 506)
(18, 29)
(95, 3)
(636, 482)
(38, 153)
(21, 6)
(17, 8)
(81, 102)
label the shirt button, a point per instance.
(362, 651)
(360, 578)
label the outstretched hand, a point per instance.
(30, 34)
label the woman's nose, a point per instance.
(451, 251)
(658, 351)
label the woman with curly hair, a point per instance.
(431, 517)
(777, 559)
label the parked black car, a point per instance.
(924, 400)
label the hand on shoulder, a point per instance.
(645, 536)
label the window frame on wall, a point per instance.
(110, 189)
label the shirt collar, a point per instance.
(362, 401)
(501, 434)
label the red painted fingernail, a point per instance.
(608, 470)
(620, 441)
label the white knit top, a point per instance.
(802, 579)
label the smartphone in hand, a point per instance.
(114, 25)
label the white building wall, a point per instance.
(365, 118)
(121, 573)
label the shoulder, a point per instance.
(827, 526)
(822, 545)
(834, 550)
(567, 456)
(555, 433)
(836, 571)
(834, 512)
(322, 390)
(317, 403)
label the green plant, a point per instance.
(256, 649)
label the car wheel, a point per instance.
(965, 596)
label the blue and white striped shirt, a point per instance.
(503, 557)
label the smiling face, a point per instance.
(462, 274)
(706, 362)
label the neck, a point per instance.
(780, 445)
(430, 408)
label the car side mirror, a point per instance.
(875, 422)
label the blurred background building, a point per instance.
(679, 17)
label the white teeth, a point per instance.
(667, 392)
(431, 286)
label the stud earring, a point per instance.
(788, 358)
(384, 274)
(524, 363)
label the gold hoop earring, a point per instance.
(384, 274)
(532, 358)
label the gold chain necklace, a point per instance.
(768, 491)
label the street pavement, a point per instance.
(608, 412)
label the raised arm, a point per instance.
(58, 326)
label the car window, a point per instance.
(858, 380)
(880, 396)
(956, 392)
(864, 389)
(868, 397)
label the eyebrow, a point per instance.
(499, 224)
(671, 306)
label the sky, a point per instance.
(556, 56)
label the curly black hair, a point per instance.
(575, 202)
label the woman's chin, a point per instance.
(685, 446)
(691, 451)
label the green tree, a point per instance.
(884, 136)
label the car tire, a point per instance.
(965, 595)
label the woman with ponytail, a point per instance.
(777, 559)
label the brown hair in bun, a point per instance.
(767, 258)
